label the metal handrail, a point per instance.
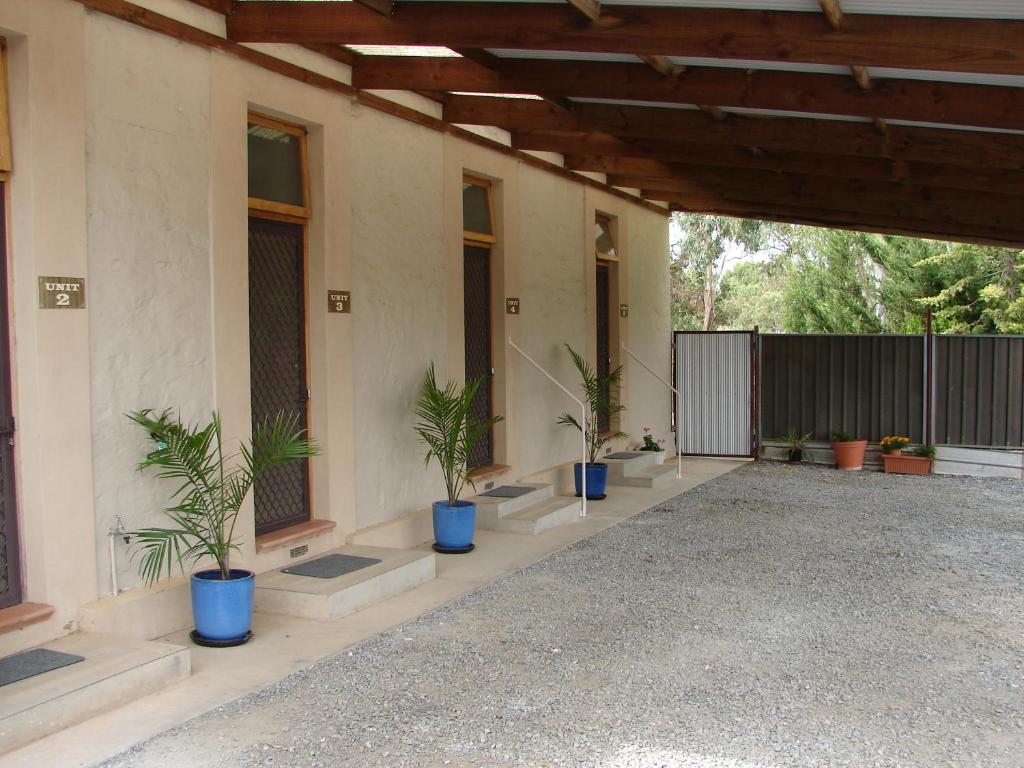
(583, 422)
(679, 456)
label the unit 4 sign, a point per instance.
(61, 292)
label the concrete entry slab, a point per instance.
(323, 599)
(113, 671)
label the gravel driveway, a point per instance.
(776, 616)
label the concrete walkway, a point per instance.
(776, 616)
(284, 645)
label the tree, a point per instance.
(752, 295)
(699, 257)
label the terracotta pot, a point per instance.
(897, 464)
(850, 455)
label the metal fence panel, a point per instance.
(714, 402)
(870, 386)
(979, 391)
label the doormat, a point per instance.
(509, 491)
(22, 666)
(331, 566)
(624, 455)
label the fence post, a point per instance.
(929, 378)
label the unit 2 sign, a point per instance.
(61, 292)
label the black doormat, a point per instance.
(330, 566)
(22, 666)
(624, 455)
(509, 491)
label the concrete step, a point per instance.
(652, 476)
(536, 518)
(116, 671)
(623, 464)
(309, 597)
(491, 505)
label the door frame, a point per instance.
(268, 210)
(14, 594)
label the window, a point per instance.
(278, 182)
(477, 210)
(603, 240)
(5, 123)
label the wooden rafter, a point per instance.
(963, 45)
(792, 213)
(383, 7)
(834, 14)
(834, 137)
(662, 65)
(989, 106)
(654, 159)
(589, 8)
(958, 207)
(490, 62)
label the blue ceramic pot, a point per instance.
(597, 478)
(454, 525)
(222, 609)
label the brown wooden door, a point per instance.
(277, 354)
(604, 330)
(10, 572)
(477, 288)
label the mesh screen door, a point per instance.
(277, 354)
(10, 574)
(477, 287)
(604, 349)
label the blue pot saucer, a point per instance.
(453, 551)
(207, 643)
(593, 498)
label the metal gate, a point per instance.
(714, 372)
(477, 290)
(277, 353)
(10, 573)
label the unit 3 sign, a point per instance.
(61, 292)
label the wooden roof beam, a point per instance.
(972, 149)
(834, 14)
(968, 104)
(589, 8)
(908, 42)
(639, 157)
(489, 61)
(383, 7)
(788, 213)
(884, 198)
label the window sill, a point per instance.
(285, 537)
(22, 615)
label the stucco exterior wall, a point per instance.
(131, 172)
(399, 307)
(151, 342)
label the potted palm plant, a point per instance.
(796, 443)
(600, 395)
(204, 509)
(447, 426)
(848, 450)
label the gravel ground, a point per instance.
(776, 616)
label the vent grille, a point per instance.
(298, 551)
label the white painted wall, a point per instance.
(399, 308)
(147, 174)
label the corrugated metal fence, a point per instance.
(714, 405)
(960, 391)
(870, 386)
(979, 391)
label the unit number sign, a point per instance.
(61, 292)
(339, 301)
